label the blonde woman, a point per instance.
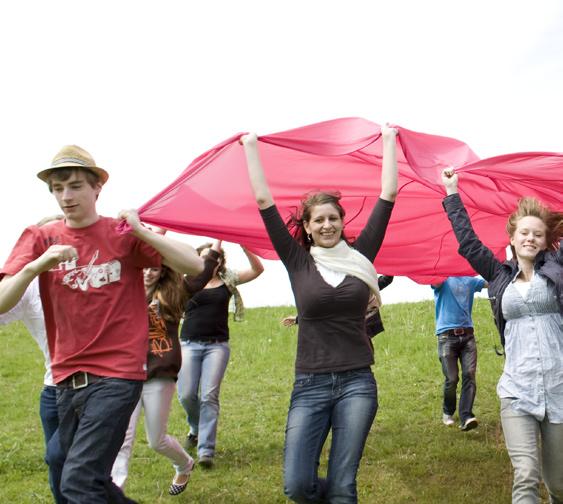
(527, 302)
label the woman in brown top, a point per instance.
(165, 299)
(334, 387)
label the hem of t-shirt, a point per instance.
(162, 376)
(450, 328)
(104, 373)
(206, 340)
(334, 369)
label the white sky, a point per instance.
(147, 86)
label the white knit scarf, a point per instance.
(344, 259)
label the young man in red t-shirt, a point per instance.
(91, 285)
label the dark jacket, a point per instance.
(497, 274)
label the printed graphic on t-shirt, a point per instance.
(89, 276)
(159, 342)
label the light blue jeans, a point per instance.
(531, 457)
(199, 382)
(344, 402)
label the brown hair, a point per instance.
(63, 174)
(531, 207)
(170, 293)
(295, 224)
(222, 256)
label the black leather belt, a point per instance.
(79, 380)
(458, 331)
(209, 341)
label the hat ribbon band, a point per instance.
(80, 162)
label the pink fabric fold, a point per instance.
(212, 197)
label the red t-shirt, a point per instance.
(95, 307)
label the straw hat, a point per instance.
(72, 156)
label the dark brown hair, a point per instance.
(531, 207)
(170, 293)
(295, 224)
(63, 174)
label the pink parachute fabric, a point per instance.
(212, 197)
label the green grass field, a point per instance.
(410, 457)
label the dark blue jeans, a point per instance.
(345, 403)
(48, 411)
(93, 422)
(451, 349)
(54, 456)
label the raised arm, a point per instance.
(479, 256)
(13, 287)
(389, 164)
(177, 255)
(256, 172)
(255, 270)
(196, 283)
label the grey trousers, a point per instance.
(535, 449)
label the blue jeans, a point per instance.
(345, 402)
(55, 459)
(48, 411)
(54, 456)
(203, 368)
(93, 421)
(452, 348)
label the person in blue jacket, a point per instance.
(456, 342)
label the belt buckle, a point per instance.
(458, 331)
(76, 383)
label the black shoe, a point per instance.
(205, 461)
(178, 488)
(470, 423)
(191, 441)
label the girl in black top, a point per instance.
(334, 387)
(205, 344)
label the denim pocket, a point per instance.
(303, 380)
(442, 345)
(442, 339)
(506, 403)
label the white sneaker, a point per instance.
(469, 424)
(447, 419)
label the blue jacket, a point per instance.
(499, 274)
